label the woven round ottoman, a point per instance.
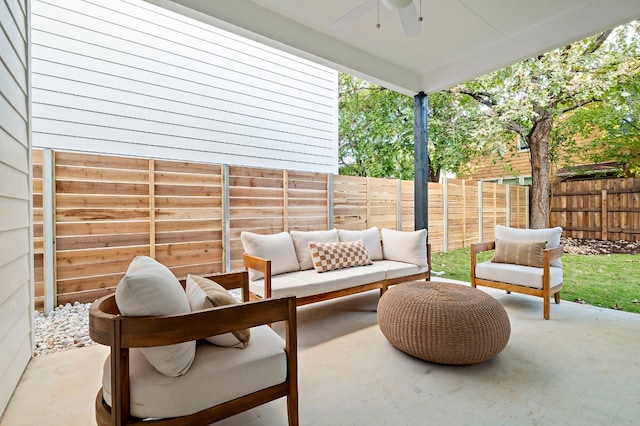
(443, 323)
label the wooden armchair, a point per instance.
(543, 280)
(122, 333)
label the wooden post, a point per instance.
(480, 215)
(226, 219)
(464, 213)
(604, 221)
(399, 204)
(330, 202)
(445, 213)
(152, 209)
(368, 202)
(285, 200)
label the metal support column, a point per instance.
(421, 160)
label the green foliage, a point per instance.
(376, 131)
(599, 280)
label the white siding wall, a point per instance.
(16, 289)
(127, 77)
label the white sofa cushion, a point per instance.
(276, 247)
(370, 237)
(409, 247)
(262, 364)
(301, 240)
(204, 293)
(393, 269)
(550, 235)
(150, 289)
(309, 282)
(526, 276)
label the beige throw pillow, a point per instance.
(204, 293)
(519, 252)
(330, 256)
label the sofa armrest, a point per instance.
(262, 265)
(552, 253)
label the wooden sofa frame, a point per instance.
(545, 292)
(264, 266)
(121, 333)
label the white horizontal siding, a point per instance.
(16, 285)
(127, 77)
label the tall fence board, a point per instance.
(606, 209)
(189, 216)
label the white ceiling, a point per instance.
(460, 39)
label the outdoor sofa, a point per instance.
(322, 265)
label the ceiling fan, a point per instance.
(409, 17)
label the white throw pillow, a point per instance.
(402, 246)
(301, 240)
(550, 235)
(370, 237)
(150, 289)
(204, 293)
(276, 247)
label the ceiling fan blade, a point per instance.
(409, 20)
(356, 13)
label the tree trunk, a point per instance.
(538, 139)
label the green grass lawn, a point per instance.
(610, 280)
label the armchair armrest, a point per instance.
(262, 265)
(552, 253)
(475, 249)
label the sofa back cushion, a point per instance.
(370, 237)
(402, 246)
(276, 247)
(301, 240)
(150, 289)
(550, 235)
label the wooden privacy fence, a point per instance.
(94, 213)
(606, 209)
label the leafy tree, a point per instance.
(376, 131)
(531, 98)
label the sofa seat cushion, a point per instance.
(393, 269)
(261, 364)
(310, 282)
(526, 276)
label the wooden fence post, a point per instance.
(399, 204)
(330, 202)
(226, 220)
(152, 209)
(480, 213)
(508, 195)
(49, 222)
(445, 213)
(604, 221)
(285, 200)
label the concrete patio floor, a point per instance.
(582, 367)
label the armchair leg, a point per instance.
(556, 298)
(292, 409)
(547, 307)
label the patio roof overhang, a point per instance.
(459, 39)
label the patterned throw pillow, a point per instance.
(519, 252)
(329, 256)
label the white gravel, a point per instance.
(66, 327)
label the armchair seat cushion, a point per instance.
(526, 276)
(261, 364)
